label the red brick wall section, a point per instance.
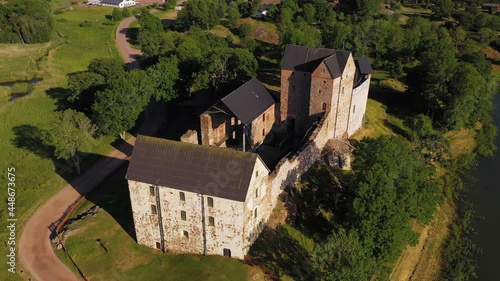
(321, 91)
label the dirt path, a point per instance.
(35, 249)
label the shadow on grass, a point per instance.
(316, 203)
(281, 254)
(30, 138)
(60, 95)
(132, 33)
(112, 195)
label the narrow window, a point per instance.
(264, 117)
(183, 215)
(354, 109)
(182, 196)
(232, 121)
(255, 213)
(342, 90)
(234, 135)
(257, 173)
(185, 234)
(211, 221)
(263, 132)
(324, 81)
(210, 201)
(257, 193)
(320, 91)
(153, 209)
(158, 246)
(324, 106)
(152, 191)
(227, 252)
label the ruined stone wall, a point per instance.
(206, 129)
(214, 128)
(290, 168)
(358, 106)
(321, 91)
(344, 99)
(295, 97)
(261, 126)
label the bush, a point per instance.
(245, 30)
(117, 15)
(126, 13)
(85, 24)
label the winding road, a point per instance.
(35, 249)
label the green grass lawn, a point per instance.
(71, 49)
(128, 260)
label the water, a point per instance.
(16, 95)
(486, 199)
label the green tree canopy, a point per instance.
(393, 184)
(25, 21)
(117, 108)
(342, 257)
(68, 134)
(198, 13)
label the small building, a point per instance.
(113, 3)
(197, 199)
(242, 119)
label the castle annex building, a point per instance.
(214, 197)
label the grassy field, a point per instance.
(71, 49)
(262, 30)
(129, 261)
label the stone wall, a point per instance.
(236, 225)
(261, 126)
(344, 99)
(358, 105)
(295, 97)
(321, 92)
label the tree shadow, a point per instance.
(60, 95)
(30, 138)
(281, 254)
(132, 34)
(316, 202)
(112, 195)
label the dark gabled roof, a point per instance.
(364, 65)
(248, 101)
(308, 59)
(304, 58)
(114, 2)
(213, 171)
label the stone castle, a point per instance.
(214, 195)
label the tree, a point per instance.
(117, 108)
(169, 4)
(198, 13)
(393, 184)
(443, 8)
(164, 75)
(342, 257)
(107, 67)
(255, 6)
(245, 30)
(429, 81)
(366, 8)
(150, 23)
(68, 134)
(233, 15)
(309, 13)
(126, 13)
(25, 21)
(83, 86)
(116, 15)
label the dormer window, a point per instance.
(324, 106)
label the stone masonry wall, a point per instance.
(261, 126)
(295, 97)
(344, 99)
(321, 91)
(358, 106)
